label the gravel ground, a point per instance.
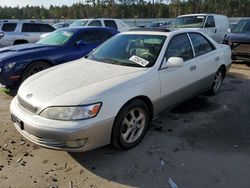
(202, 143)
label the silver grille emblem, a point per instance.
(29, 96)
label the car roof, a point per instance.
(21, 21)
(199, 14)
(152, 31)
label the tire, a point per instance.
(130, 125)
(34, 68)
(218, 79)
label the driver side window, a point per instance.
(180, 46)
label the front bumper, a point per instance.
(54, 134)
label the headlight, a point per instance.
(71, 112)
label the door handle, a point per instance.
(215, 30)
(193, 68)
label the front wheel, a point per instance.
(218, 79)
(34, 68)
(130, 125)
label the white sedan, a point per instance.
(112, 95)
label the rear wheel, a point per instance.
(218, 79)
(34, 68)
(130, 125)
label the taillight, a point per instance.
(1, 35)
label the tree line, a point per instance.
(129, 9)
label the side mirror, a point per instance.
(229, 30)
(174, 62)
(81, 43)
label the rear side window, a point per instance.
(95, 23)
(94, 36)
(29, 27)
(201, 44)
(110, 23)
(210, 22)
(45, 28)
(9, 27)
(180, 46)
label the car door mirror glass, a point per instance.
(174, 62)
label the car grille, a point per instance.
(26, 105)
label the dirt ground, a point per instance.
(203, 143)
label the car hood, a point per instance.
(15, 50)
(238, 37)
(75, 82)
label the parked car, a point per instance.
(20, 32)
(111, 96)
(61, 25)
(63, 45)
(102, 22)
(214, 25)
(239, 41)
(161, 24)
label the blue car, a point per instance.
(21, 61)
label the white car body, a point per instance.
(86, 82)
(217, 30)
(118, 25)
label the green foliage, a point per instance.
(129, 9)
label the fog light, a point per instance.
(76, 143)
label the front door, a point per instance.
(178, 83)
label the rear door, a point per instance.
(31, 32)
(178, 83)
(207, 58)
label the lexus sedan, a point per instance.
(21, 61)
(239, 41)
(112, 95)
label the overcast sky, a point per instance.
(45, 3)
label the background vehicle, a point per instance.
(161, 24)
(239, 41)
(214, 25)
(63, 45)
(111, 96)
(61, 25)
(20, 32)
(102, 22)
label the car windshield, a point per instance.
(79, 23)
(242, 26)
(189, 22)
(59, 37)
(130, 50)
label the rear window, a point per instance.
(9, 27)
(29, 27)
(110, 23)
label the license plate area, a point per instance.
(17, 121)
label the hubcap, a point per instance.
(133, 125)
(217, 81)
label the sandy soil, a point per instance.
(202, 143)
